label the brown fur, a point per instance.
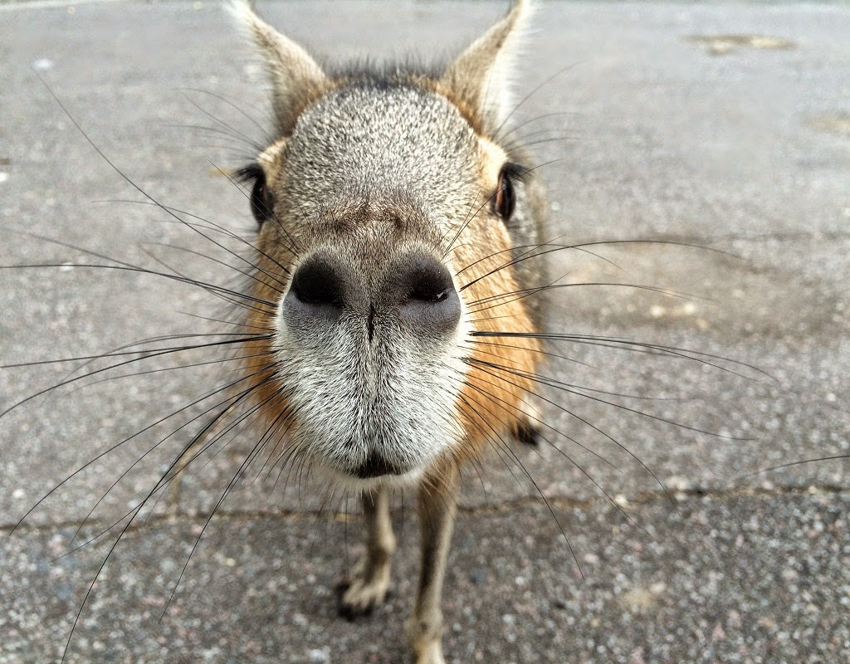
(377, 229)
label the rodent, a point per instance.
(393, 222)
(371, 467)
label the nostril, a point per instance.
(429, 292)
(317, 283)
(427, 296)
(428, 281)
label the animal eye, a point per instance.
(262, 201)
(505, 200)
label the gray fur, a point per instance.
(369, 172)
(364, 142)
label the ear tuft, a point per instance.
(295, 76)
(480, 77)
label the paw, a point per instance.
(424, 639)
(527, 433)
(432, 655)
(364, 590)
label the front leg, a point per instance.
(437, 506)
(369, 580)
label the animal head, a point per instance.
(392, 224)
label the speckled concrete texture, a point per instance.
(704, 151)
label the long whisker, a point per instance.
(231, 101)
(215, 228)
(505, 406)
(112, 165)
(793, 464)
(488, 425)
(495, 370)
(122, 266)
(527, 97)
(134, 512)
(226, 129)
(494, 301)
(145, 356)
(248, 459)
(567, 388)
(547, 248)
(121, 443)
(708, 359)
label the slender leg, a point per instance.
(437, 506)
(370, 578)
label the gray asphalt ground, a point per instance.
(724, 128)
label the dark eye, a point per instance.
(505, 200)
(262, 201)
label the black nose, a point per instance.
(423, 290)
(319, 291)
(318, 283)
(416, 289)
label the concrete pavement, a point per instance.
(726, 127)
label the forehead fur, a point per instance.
(369, 139)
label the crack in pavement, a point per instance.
(562, 503)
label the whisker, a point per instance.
(123, 532)
(121, 443)
(248, 459)
(215, 228)
(497, 134)
(502, 299)
(147, 355)
(540, 493)
(566, 387)
(550, 248)
(120, 352)
(491, 369)
(708, 359)
(507, 408)
(120, 266)
(227, 129)
(793, 464)
(640, 397)
(231, 101)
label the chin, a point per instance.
(353, 481)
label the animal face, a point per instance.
(384, 256)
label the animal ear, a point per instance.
(295, 75)
(479, 80)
